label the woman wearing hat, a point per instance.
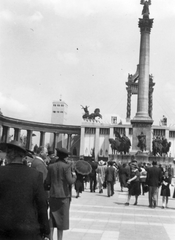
(59, 179)
(133, 184)
(23, 205)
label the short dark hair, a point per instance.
(154, 162)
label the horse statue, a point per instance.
(120, 144)
(95, 114)
(91, 117)
(160, 146)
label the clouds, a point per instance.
(39, 42)
(11, 106)
(88, 8)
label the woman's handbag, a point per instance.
(104, 184)
(146, 188)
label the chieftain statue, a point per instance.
(142, 141)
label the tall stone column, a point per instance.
(69, 142)
(5, 134)
(17, 133)
(142, 121)
(82, 150)
(29, 139)
(42, 139)
(97, 133)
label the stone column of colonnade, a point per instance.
(5, 134)
(17, 134)
(29, 139)
(42, 139)
(97, 132)
(69, 142)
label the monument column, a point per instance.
(142, 121)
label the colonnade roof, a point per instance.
(38, 126)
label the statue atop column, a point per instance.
(145, 11)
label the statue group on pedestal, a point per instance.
(160, 146)
(91, 117)
(120, 144)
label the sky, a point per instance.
(82, 52)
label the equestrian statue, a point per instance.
(91, 117)
(120, 144)
(160, 146)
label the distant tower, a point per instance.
(59, 112)
(59, 116)
(142, 121)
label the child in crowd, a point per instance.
(165, 189)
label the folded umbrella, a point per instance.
(83, 167)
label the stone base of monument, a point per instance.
(142, 157)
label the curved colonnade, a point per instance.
(17, 124)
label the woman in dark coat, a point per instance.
(134, 184)
(165, 189)
(23, 205)
(60, 178)
(123, 175)
(79, 184)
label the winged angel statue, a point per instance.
(145, 11)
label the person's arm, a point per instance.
(47, 182)
(70, 176)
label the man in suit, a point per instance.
(60, 178)
(154, 176)
(110, 178)
(93, 175)
(23, 205)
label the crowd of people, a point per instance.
(33, 183)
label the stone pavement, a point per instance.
(95, 216)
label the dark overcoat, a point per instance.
(23, 206)
(59, 179)
(154, 176)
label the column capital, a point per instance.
(145, 24)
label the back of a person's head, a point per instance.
(154, 163)
(110, 163)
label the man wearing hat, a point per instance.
(23, 205)
(154, 177)
(60, 178)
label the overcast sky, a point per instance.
(83, 51)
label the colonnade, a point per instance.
(6, 124)
(17, 134)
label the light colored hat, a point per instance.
(101, 162)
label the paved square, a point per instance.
(95, 216)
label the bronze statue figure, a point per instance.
(120, 144)
(91, 117)
(141, 142)
(145, 11)
(160, 146)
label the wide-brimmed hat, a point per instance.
(14, 144)
(62, 151)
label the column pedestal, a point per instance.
(138, 127)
